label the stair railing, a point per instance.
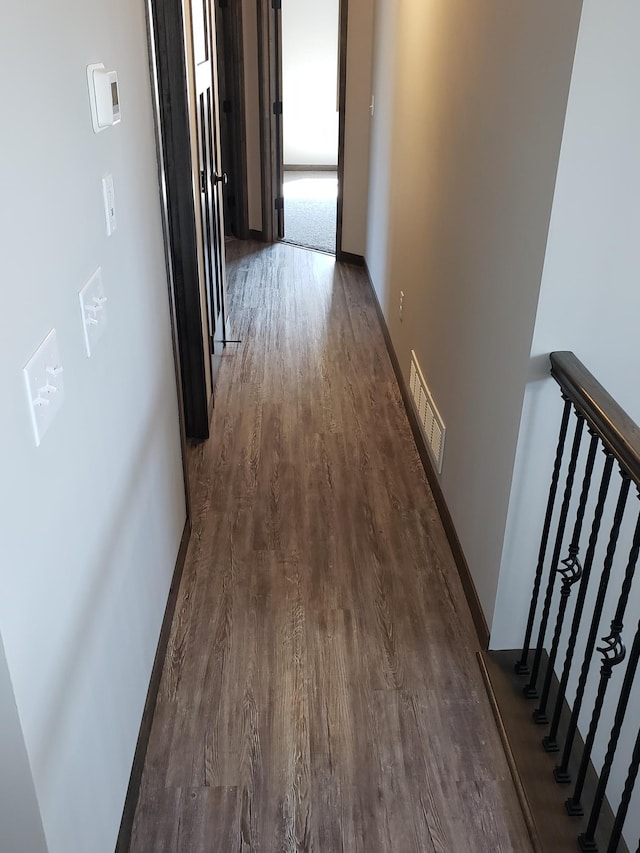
(568, 576)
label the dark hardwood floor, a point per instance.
(320, 691)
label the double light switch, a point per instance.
(93, 304)
(45, 387)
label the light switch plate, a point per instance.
(93, 304)
(109, 197)
(45, 387)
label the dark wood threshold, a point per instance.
(542, 799)
(349, 258)
(477, 614)
(131, 801)
(301, 167)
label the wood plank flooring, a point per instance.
(320, 691)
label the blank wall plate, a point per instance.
(93, 304)
(45, 388)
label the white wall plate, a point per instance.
(45, 387)
(93, 304)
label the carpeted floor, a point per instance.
(310, 209)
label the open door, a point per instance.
(184, 69)
(211, 177)
(230, 40)
(270, 64)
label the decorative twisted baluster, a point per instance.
(531, 691)
(522, 667)
(561, 772)
(571, 571)
(613, 644)
(623, 808)
(550, 742)
(613, 653)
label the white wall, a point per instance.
(20, 822)
(461, 190)
(383, 84)
(357, 126)
(310, 82)
(91, 520)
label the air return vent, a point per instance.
(429, 417)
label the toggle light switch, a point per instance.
(45, 388)
(94, 312)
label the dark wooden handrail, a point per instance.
(619, 433)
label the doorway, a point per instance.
(310, 121)
(254, 112)
(328, 53)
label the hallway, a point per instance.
(320, 690)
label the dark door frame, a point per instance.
(168, 58)
(342, 105)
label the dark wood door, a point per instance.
(210, 175)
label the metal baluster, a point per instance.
(613, 653)
(587, 839)
(522, 667)
(561, 772)
(616, 832)
(550, 742)
(531, 691)
(571, 571)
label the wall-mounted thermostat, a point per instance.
(104, 96)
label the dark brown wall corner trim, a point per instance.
(350, 258)
(131, 801)
(482, 629)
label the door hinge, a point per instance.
(276, 4)
(211, 346)
(226, 106)
(279, 203)
(277, 108)
(203, 181)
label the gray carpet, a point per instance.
(310, 210)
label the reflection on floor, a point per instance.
(310, 200)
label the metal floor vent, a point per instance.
(429, 417)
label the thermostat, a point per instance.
(103, 96)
